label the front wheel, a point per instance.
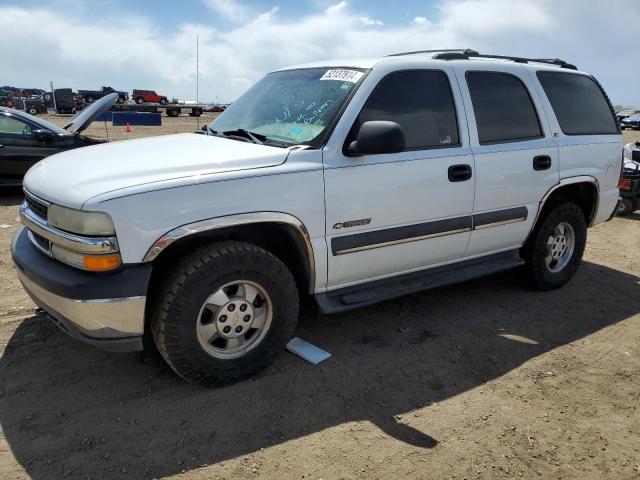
(225, 312)
(139, 100)
(555, 249)
(625, 207)
(163, 101)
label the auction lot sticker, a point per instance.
(343, 75)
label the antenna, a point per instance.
(197, 78)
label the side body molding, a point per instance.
(232, 221)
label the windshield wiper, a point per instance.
(254, 137)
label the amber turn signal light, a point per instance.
(101, 263)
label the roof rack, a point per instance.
(467, 53)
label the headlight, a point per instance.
(80, 222)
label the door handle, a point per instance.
(542, 162)
(459, 173)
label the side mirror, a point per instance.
(376, 137)
(43, 135)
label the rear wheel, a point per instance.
(555, 249)
(90, 99)
(625, 206)
(163, 101)
(225, 312)
(121, 100)
(32, 111)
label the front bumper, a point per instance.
(105, 310)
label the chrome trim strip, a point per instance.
(97, 318)
(75, 243)
(400, 241)
(232, 221)
(497, 224)
(36, 198)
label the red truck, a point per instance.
(148, 96)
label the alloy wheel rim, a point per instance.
(234, 319)
(560, 246)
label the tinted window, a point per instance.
(503, 108)
(421, 102)
(579, 104)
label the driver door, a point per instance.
(394, 213)
(19, 147)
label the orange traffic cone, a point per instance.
(127, 128)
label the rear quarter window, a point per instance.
(578, 103)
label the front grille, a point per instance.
(635, 155)
(36, 206)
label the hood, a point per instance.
(73, 177)
(83, 118)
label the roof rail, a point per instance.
(467, 53)
(463, 51)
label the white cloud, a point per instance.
(129, 52)
(230, 10)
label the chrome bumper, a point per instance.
(91, 308)
(97, 318)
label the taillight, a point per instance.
(624, 184)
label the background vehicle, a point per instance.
(629, 189)
(632, 121)
(90, 96)
(25, 139)
(630, 180)
(149, 96)
(352, 184)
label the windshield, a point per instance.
(291, 107)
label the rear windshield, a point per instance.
(579, 104)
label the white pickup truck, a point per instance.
(353, 181)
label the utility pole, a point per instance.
(197, 78)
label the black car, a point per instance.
(25, 139)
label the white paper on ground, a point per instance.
(309, 352)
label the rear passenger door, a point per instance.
(515, 154)
(393, 213)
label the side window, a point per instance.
(579, 104)
(503, 108)
(12, 126)
(421, 102)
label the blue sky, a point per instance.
(151, 44)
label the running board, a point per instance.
(377, 291)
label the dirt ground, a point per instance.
(486, 379)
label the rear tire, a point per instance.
(555, 249)
(90, 99)
(625, 207)
(163, 101)
(235, 279)
(121, 100)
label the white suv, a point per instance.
(354, 181)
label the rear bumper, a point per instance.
(105, 310)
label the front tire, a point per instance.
(625, 207)
(139, 100)
(224, 313)
(555, 249)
